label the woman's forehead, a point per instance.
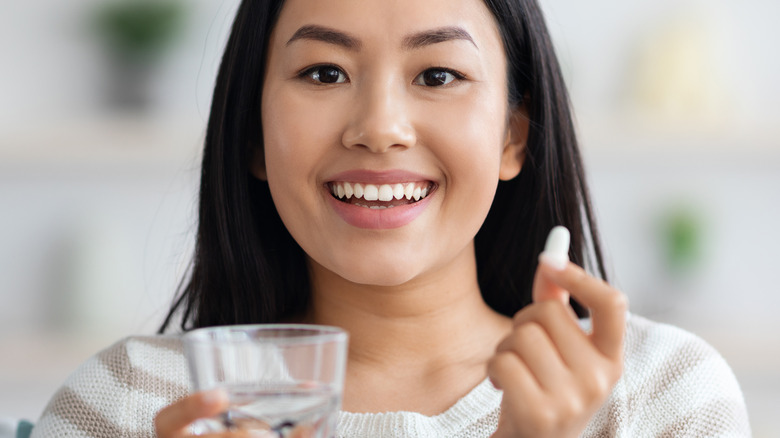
(388, 21)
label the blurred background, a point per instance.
(102, 113)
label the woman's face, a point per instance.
(386, 131)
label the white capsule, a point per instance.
(556, 249)
(370, 192)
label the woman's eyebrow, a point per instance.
(326, 35)
(438, 35)
(411, 42)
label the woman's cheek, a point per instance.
(301, 128)
(471, 133)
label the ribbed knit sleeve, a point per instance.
(674, 385)
(117, 393)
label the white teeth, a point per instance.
(371, 192)
(385, 193)
(398, 191)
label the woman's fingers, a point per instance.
(507, 370)
(173, 420)
(560, 324)
(607, 305)
(532, 345)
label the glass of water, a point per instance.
(278, 377)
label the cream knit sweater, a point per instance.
(673, 385)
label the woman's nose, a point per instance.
(381, 119)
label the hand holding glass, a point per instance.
(277, 376)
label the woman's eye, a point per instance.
(436, 77)
(325, 74)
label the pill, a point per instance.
(556, 249)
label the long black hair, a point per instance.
(248, 269)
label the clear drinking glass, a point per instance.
(278, 377)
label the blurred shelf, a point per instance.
(101, 143)
(629, 140)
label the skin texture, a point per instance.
(421, 337)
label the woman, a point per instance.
(393, 168)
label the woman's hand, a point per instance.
(174, 420)
(553, 374)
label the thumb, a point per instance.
(555, 257)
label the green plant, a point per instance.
(682, 229)
(139, 29)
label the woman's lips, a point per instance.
(379, 200)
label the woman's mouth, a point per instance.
(380, 196)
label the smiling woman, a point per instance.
(393, 169)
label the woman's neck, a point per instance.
(424, 327)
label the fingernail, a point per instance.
(553, 260)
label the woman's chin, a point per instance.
(375, 274)
(379, 279)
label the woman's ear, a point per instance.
(257, 163)
(513, 154)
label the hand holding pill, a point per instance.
(553, 374)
